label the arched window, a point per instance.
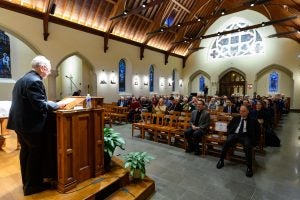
(273, 82)
(122, 75)
(5, 70)
(151, 79)
(173, 80)
(237, 44)
(201, 84)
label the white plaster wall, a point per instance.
(285, 83)
(277, 51)
(64, 42)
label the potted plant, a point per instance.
(136, 162)
(112, 140)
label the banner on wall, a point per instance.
(5, 69)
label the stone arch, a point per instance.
(273, 67)
(280, 68)
(31, 46)
(194, 75)
(86, 81)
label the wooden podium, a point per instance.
(79, 143)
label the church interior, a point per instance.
(214, 50)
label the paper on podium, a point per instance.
(221, 126)
(71, 102)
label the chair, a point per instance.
(169, 127)
(145, 119)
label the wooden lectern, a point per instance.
(79, 142)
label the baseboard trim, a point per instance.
(295, 110)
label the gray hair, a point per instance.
(40, 61)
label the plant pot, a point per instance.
(107, 160)
(136, 177)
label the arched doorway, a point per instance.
(232, 83)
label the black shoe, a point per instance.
(249, 172)
(220, 164)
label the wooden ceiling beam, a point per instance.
(181, 6)
(50, 3)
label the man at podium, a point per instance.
(27, 116)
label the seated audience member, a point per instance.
(160, 108)
(135, 108)
(76, 93)
(122, 102)
(193, 103)
(185, 105)
(146, 104)
(212, 105)
(174, 106)
(245, 130)
(200, 121)
(229, 108)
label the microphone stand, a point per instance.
(72, 82)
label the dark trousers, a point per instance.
(193, 138)
(31, 159)
(235, 138)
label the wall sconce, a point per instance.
(136, 83)
(180, 83)
(170, 84)
(145, 83)
(112, 81)
(161, 83)
(103, 78)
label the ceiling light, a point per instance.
(178, 25)
(125, 12)
(199, 19)
(252, 4)
(219, 33)
(144, 4)
(263, 24)
(161, 30)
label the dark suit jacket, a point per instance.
(28, 112)
(233, 109)
(204, 119)
(252, 128)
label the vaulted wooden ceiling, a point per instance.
(144, 23)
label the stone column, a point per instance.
(52, 85)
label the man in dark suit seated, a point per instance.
(244, 130)
(229, 108)
(200, 121)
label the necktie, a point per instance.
(229, 109)
(241, 127)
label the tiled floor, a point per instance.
(179, 175)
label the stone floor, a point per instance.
(179, 175)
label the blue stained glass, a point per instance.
(122, 75)
(273, 82)
(151, 79)
(5, 68)
(201, 84)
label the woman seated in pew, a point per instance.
(160, 108)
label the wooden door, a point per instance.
(232, 83)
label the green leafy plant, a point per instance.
(112, 140)
(136, 161)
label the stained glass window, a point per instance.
(170, 19)
(5, 69)
(241, 43)
(173, 80)
(273, 82)
(201, 84)
(122, 75)
(151, 79)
